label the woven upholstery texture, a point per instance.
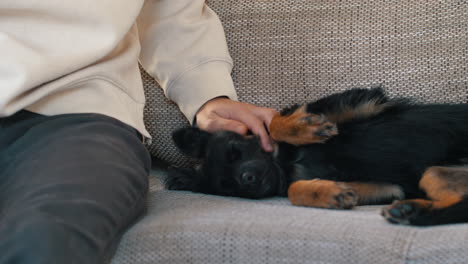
(184, 227)
(295, 51)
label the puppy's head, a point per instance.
(231, 165)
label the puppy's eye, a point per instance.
(233, 154)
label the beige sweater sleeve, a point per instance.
(71, 56)
(184, 48)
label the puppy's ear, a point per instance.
(191, 141)
(182, 179)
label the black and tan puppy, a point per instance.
(353, 148)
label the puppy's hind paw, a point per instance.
(406, 212)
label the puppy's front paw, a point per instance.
(182, 179)
(300, 128)
(345, 197)
(322, 194)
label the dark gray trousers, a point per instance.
(69, 187)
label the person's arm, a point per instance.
(184, 48)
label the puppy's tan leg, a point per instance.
(322, 194)
(444, 186)
(299, 128)
(376, 193)
(340, 195)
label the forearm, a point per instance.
(184, 48)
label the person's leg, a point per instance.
(69, 186)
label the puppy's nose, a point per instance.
(248, 177)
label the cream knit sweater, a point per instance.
(68, 56)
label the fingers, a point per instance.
(256, 119)
(266, 115)
(258, 127)
(216, 123)
(267, 143)
(224, 114)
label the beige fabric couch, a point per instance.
(293, 51)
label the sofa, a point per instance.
(294, 51)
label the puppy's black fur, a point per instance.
(382, 141)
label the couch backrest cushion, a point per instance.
(290, 51)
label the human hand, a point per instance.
(224, 114)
